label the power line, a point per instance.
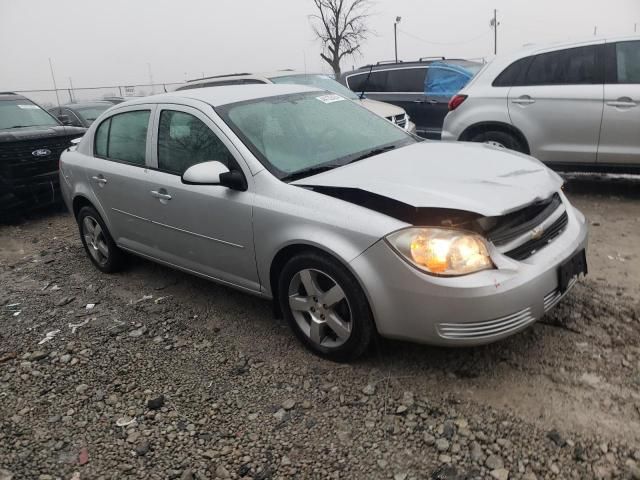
(486, 34)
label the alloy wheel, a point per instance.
(95, 240)
(320, 307)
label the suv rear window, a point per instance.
(410, 80)
(513, 74)
(377, 82)
(573, 66)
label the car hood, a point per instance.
(39, 132)
(479, 178)
(381, 108)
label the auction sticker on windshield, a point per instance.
(330, 98)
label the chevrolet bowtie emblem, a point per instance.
(536, 233)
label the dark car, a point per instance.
(80, 114)
(31, 141)
(423, 88)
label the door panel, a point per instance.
(204, 228)
(119, 177)
(560, 122)
(620, 136)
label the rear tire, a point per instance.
(499, 139)
(97, 241)
(325, 306)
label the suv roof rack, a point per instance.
(422, 59)
(219, 76)
(8, 93)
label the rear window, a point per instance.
(406, 80)
(573, 66)
(123, 137)
(376, 82)
(513, 74)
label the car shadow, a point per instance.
(595, 184)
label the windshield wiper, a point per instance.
(18, 126)
(372, 153)
(307, 172)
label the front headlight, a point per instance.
(442, 251)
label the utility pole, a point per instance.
(150, 76)
(494, 24)
(595, 31)
(635, 27)
(53, 77)
(73, 94)
(395, 35)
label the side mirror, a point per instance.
(214, 173)
(64, 119)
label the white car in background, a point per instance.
(393, 113)
(573, 106)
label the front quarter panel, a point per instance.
(286, 215)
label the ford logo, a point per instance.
(41, 152)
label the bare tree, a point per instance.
(341, 27)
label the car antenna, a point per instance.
(366, 82)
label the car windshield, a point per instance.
(301, 134)
(23, 113)
(319, 81)
(92, 112)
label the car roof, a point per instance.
(97, 103)
(423, 62)
(223, 95)
(11, 96)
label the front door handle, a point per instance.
(523, 100)
(622, 102)
(99, 179)
(161, 195)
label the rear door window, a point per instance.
(406, 80)
(573, 66)
(445, 81)
(376, 82)
(123, 137)
(628, 62)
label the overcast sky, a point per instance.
(110, 42)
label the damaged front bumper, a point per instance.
(468, 310)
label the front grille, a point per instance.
(18, 164)
(400, 120)
(513, 225)
(490, 328)
(527, 249)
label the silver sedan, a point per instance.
(350, 224)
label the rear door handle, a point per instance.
(160, 195)
(523, 100)
(99, 179)
(622, 102)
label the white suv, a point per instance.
(573, 106)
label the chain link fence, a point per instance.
(51, 98)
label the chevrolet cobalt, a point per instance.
(352, 226)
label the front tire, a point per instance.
(499, 139)
(96, 239)
(325, 306)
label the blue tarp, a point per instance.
(445, 79)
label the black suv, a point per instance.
(31, 141)
(423, 88)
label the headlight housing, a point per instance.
(442, 251)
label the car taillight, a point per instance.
(456, 101)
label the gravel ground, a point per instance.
(156, 374)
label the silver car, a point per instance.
(350, 224)
(573, 106)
